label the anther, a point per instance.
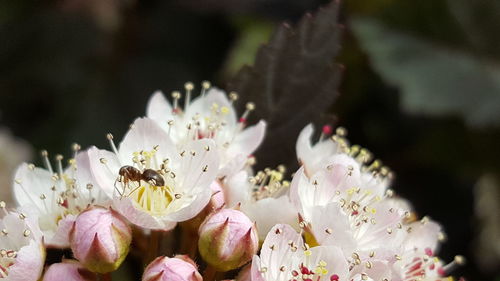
(26, 233)
(250, 106)
(341, 131)
(206, 85)
(2, 204)
(75, 147)
(233, 96)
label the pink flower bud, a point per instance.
(228, 239)
(178, 268)
(100, 239)
(68, 271)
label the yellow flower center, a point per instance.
(153, 199)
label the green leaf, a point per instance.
(433, 79)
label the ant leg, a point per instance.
(131, 192)
(116, 188)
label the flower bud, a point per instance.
(178, 268)
(68, 271)
(100, 239)
(228, 239)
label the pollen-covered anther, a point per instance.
(206, 85)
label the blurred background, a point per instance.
(420, 88)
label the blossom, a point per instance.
(418, 260)
(343, 210)
(21, 251)
(212, 116)
(178, 268)
(259, 196)
(100, 239)
(68, 270)
(228, 239)
(155, 184)
(314, 157)
(57, 196)
(284, 256)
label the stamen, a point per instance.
(250, 106)
(59, 159)
(457, 261)
(109, 136)
(205, 85)
(176, 95)
(189, 87)
(46, 162)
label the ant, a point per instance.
(131, 174)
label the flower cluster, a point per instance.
(190, 168)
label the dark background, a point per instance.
(420, 89)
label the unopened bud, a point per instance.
(228, 239)
(100, 239)
(178, 268)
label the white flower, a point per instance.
(284, 256)
(341, 211)
(263, 198)
(57, 197)
(22, 254)
(314, 157)
(212, 116)
(155, 184)
(311, 155)
(418, 261)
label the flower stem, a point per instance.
(105, 277)
(209, 273)
(154, 242)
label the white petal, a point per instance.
(192, 175)
(104, 174)
(299, 179)
(303, 145)
(333, 257)
(379, 270)
(190, 209)
(234, 165)
(423, 236)
(159, 109)
(248, 140)
(277, 250)
(237, 189)
(256, 270)
(135, 215)
(310, 155)
(268, 212)
(146, 135)
(330, 226)
(33, 183)
(84, 176)
(203, 106)
(29, 263)
(61, 237)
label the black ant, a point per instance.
(131, 174)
